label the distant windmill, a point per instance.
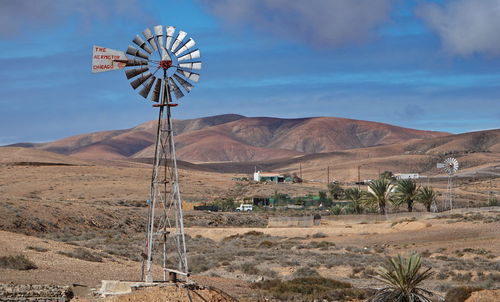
(162, 62)
(450, 165)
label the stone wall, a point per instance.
(299, 221)
(39, 293)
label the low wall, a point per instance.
(395, 216)
(299, 221)
(378, 217)
(39, 293)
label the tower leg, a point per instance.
(165, 196)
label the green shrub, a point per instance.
(19, 262)
(402, 277)
(493, 202)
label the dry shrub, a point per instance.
(309, 289)
(323, 245)
(266, 244)
(459, 294)
(82, 254)
(319, 235)
(426, 254)
(249, 268)
(306, 272)
(253, 233)
(200, 263)
(37, 248)
(19, 262)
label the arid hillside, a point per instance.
(236, 138)
(475, 151)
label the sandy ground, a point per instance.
(419, 235)
(422, 234)
(93, 191)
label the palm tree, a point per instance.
(335, 190)
(426, 195)
(402, 276)
(380, 192)
(387, 175)
(406, 191)
(355, 195)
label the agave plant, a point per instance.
(380, 191)
(426, 195)
(402, 277)
(406, 192)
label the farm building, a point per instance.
(407, 176)
(268, 176)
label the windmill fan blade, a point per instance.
(130, 73)
(158, 29)
(155, 97)
(193, 65)
(178, 40)
(178, 93)
(170, 36)
(184, 83)
(137, 82)
(136, 52)
(142, 44)
(159, 34)
(193, 76)
(185, 47)
(147, 87)
(136, 62)
(149, 37)
(195, 54)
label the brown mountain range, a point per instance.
(237, 138)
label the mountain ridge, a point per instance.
(236, 138)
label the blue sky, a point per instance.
(432, 65)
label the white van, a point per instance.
(244, 207)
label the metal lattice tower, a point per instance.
(167, 64)
(450, 166)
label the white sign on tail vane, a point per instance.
(106, 59)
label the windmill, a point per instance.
(450, 165)
(161, 62)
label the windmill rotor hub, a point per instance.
(165, 64)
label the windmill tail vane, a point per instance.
(161, 62)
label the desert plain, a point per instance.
(81, 220)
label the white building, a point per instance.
(268, 176)
(400, 176)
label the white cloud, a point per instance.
(319, 23)
(465, 26)
(26, 16)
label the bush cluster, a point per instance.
(19, 262)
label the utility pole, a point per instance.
(490, 195)
(359, 174)
(328, 175)
(300, 171)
